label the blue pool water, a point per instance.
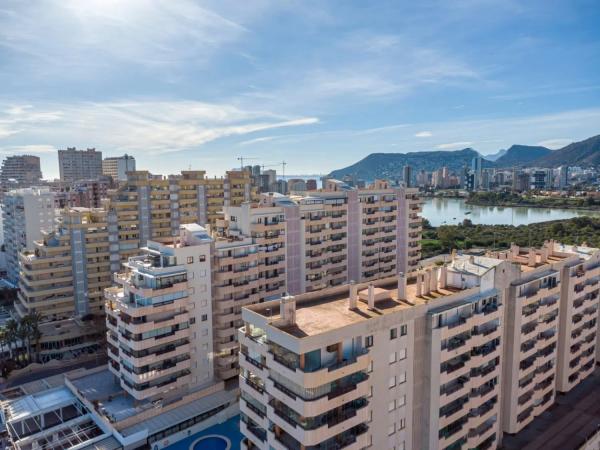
(230, 429)
(211, 443)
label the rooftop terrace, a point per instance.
(320, 313)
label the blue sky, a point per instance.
(320, 84)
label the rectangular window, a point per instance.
(393, 333)
(369, 341)
(392, 382)
(391, 405)
(392, 357)
(402, 401)
(204, 317)
(403, 330)
(402, 354)
(402, 378)
(190, 259)
(402, 424)
(202, 258)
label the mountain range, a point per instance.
(389, 165)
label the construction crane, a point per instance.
(282, 164)
(241, 160)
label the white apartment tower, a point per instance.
(118, 166)
(159, 321)
(26, 214)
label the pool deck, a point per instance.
(230, 429)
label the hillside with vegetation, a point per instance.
(445, 238)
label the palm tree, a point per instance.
(11, 329)
(31, 322)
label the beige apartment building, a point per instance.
(151, 207)
(339, 366)
(462, 354)
(301, 244)
(66, 273)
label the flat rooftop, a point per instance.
(113, 401)
(329, 312)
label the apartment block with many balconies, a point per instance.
(159, 320)
(152, 207)
(551, 327)
(68, 269)
(384, 364)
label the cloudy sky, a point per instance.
(321, 84)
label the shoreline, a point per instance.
(526, 205)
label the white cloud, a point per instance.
(555, 143)
(454, 145)
(27, 149)
(258, 140)
(142, 126)
(83, 33)
(423, 134)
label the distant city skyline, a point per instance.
(319, 84)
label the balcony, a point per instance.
(314, 430)
(311, 379)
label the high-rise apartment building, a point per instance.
(407, 176)
(117, 167)
(152, 207)
(563, 177)
(477, 171)
(160, 334)
(26, 213)
(299, 244)
(75, 165)
(463, 353)
(19, 171)
(338, 367)
(68, 269)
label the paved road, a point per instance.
(566, 425)
(45, 373)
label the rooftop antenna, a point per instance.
(241, 160)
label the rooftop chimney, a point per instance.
(426, 282)
(288, 309)
(419, 287)
(433, 282)
(514, 250)
(444, 277)
(471, 259)
(353, 295)
(401, 286)
(371, 296)
(531, 258)
(544, 254)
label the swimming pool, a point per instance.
(224, 433)
(212, 442)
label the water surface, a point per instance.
(451, 211)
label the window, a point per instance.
(393, 333)
(402, 424)
(402, 378)
(391, 405)
(202, 258)
(392, 357)
(402, 401)
(369, 341)
(192, 320)
(204, 317)
(402, 354)
(190, 259)
(403, 330)
(391, 429)
(392, 382)
(370, 368)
